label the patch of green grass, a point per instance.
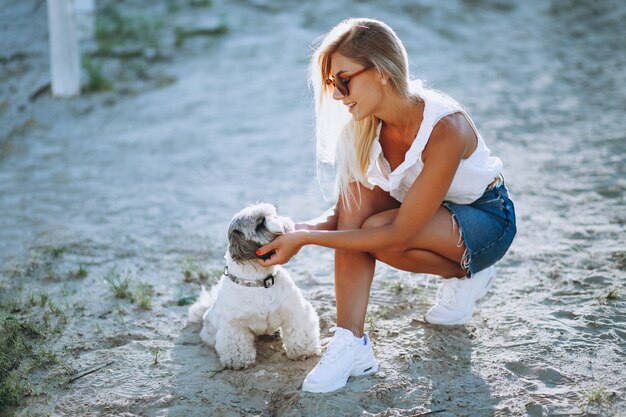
(79, 307)
(143, 296)
(49, 274)
(43, 298)
(13, 346)
(55, 251)
(32, 300)
(35, 300)
(47, 318)
(597, 395)
(120, 313)
(193, 272)
(186, 300)
(15, 349)
(611, 294)
(12, 305)
(373, 319)
(181, 33)
(44, 357)
(118, 284)
(96, 80)
(200, 3)
(372, 323)
(155, 355)
(395, 286)
(79, 273)
(33, 330)
(398, 286)
(125, 286)
(384, 313)
(12, 389)
(20, 357)
(62, 317)
(115, 30)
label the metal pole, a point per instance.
(64, 51)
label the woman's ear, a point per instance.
(383, 77)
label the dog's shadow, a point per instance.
(272, 383)
(267, 345)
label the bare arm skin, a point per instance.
(325, 221)
(451, 141)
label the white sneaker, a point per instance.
(456, 297)
(345, 356)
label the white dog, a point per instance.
(253, 300)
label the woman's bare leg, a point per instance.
(438, 249)
(354, 271)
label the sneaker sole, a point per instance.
(357, 370)
(463, 320)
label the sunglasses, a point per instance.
(341, 83)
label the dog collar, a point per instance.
(266, 282)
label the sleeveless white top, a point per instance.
(472, 177)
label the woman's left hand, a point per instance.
(284, 246)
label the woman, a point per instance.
(418, 191)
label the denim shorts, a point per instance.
(487, 227)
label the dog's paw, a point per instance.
(302, 354)
(237, 363)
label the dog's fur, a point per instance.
(233, 314)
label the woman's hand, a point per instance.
(284, 246)
(303, 226)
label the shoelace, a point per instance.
(337, 345)
(446, 294)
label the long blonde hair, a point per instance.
(339, 139)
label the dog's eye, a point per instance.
(260, 223)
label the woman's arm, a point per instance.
(325, 221)
(441, 161)
(447, 146)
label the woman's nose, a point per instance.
(337, 94)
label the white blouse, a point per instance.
(472, 177)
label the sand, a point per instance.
(143, 180)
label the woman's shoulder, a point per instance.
(440, 100)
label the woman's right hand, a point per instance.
(285, 247)
(325, 221)
(303, 226)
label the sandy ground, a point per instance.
(145, 178)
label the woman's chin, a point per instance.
(358, 116)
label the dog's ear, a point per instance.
(239, 248)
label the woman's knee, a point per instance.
(392, 258)
(363, 204)
(380, 219)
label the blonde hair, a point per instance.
(339, 139)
